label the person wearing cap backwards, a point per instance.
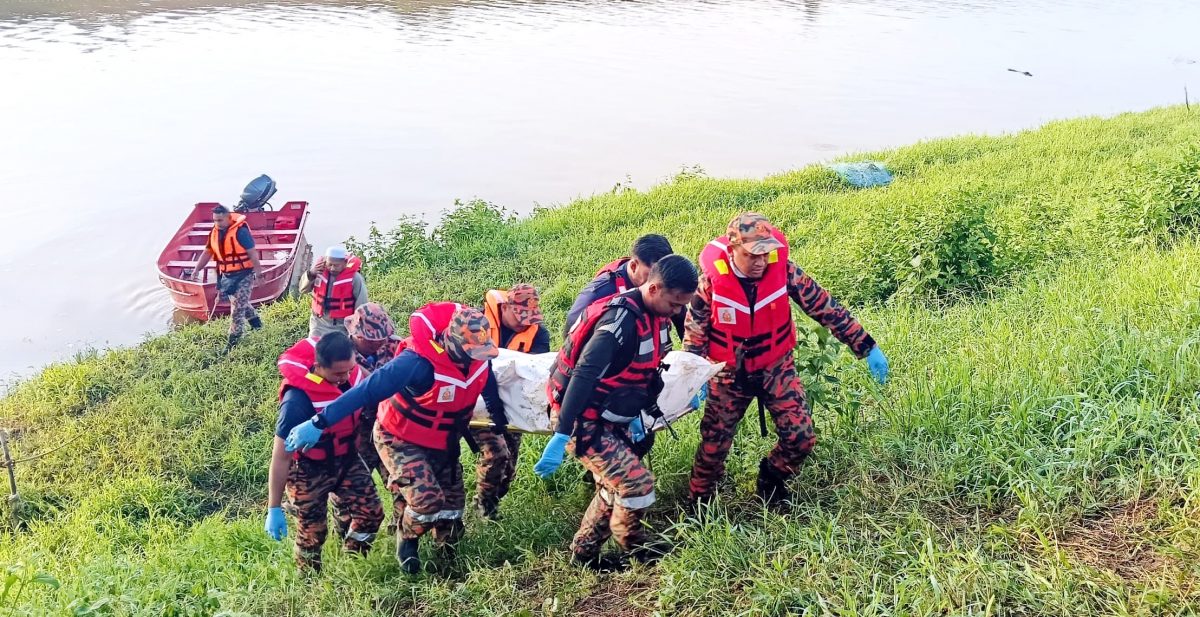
(741, 316)
(622, 275)
(315, 372)
(232, 246)
(515, 320)
(604, 378)
(430, 388)
(375, 344)
(337, 288)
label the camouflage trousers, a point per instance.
(364, 442)
(241, 311)
(427, 486)
(781, 393)
(343, 482)
(497, 465)
(624, 490)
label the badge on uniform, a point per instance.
(446, 394)
(726, 315)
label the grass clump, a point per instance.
(1035, 454)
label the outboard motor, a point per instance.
(256, 195)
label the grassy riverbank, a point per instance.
(1037, 452)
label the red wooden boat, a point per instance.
(282, 251)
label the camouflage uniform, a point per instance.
(427, 485)
(346, 484)
(371, 321)
(241, 310)
(497, 465)
(623, 493)
(777, 387)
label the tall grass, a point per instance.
(1037, 452)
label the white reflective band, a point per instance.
(646, 346)
(311, 341)
(320, 404)
(638, 503)
(292, 363)
(718, 298)
(771, 298)
(360, 536)
(665, 334)
(719, 243)
(440, 515)
(614, 418)
(425, 319)
(458, 382)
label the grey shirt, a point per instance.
(320, 326)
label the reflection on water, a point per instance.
(118, 114)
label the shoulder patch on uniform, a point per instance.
(773, 257)
(315, 378)
(721, 266)
(436, 347)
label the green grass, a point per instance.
(1036, 453)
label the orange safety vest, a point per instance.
(520, 341)
(295, 367)
(230, 255)
(336, 300)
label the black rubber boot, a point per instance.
(231, 341)
(602, 563)
(772, 485)
(651, 552)
(406, 554)
(255, 323)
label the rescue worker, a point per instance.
(232, 246)
(514, 318)
(337, 289)
(315, 372)
(605, 377)
(624, 274)
(375, 344)
(431, 388)
(741, 316)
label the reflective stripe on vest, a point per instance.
(295, 367)
(653, 341)
(438, 417)
(758, 335)
(228, 252)
(336, 301)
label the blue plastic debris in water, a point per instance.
(864, 174)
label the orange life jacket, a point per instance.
(760, 334)
(229, 254)
(437, 418)
(520, 341)
(336, 300)
(295, 366)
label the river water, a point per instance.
(116, 115)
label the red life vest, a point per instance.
(295, 366)
(653, 341)
(228, 252)
(436, 418)
(758, 335)
(336, 300)
(612, 270)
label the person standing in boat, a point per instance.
(337, 288)
(231, 245)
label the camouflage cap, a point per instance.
(371, 322)
(752, 231)
(470, 335)
(523, 298)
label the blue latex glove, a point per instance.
(552, 456)
(637, 430)
(878, 365)
(302, 437)
(700, 397)
(276, 523)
